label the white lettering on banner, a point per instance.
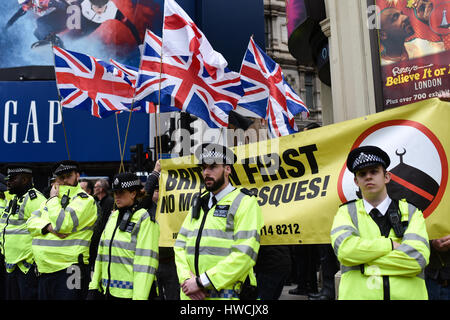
(51, 120)
(34, 123)
(6, 123)
(11, 123)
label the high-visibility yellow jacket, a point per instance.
(15, 237)
(371, 269)
(77, 220)
(229, 244)
(129, 256)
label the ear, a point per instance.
(355, 180)
(227, 169)
(383, 35)
(387, 177)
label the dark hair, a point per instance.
(99, 3)
(90, 184)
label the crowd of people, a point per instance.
(100, 241)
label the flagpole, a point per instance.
(60, 108)
(158, 114)
(121, 167)
(126, 137)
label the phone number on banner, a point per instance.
(280, 229)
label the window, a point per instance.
(309, 90)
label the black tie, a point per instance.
(214, 201)
(380, 220)
(375, 213)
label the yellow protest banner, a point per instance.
(301, 179)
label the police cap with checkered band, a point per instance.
(126, 181)
(15, 169)
(64, 167)
(211, 153)
(367, 156)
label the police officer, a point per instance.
(127, 257)
(218, 243)
(21, 282)
(381, 243)
(62, 230)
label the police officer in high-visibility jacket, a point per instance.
(218, 243)
(127, 257)
(62, 229)
(21, 281)
(381, 243)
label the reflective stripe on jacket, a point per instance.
(15, 238)
(130, 255)
(371, 269)
(77, 221)
(228, 247)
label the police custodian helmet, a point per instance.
(211, 153)
(126, 181)
(367, 156)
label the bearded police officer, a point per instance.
(62, 230)
(218, 243)
(21, 282)
(127, 257)
(381, 243)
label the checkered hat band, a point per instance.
(210, 154)
(63, 168)
(19, 170)
(366, 158)
(128, 184)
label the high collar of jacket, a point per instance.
(69, 190)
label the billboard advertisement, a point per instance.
(414, 55)
(102, 28)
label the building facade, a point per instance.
(303, 79)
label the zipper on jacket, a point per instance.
(109, 259)
(197, 243)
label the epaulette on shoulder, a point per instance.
(83, 195)
(32, 194)
(248, 192)
(354, 200)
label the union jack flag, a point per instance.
(268, 94)
(186, 82)
(147, 83)
(132, 74)
(87, 83)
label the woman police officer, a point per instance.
(127, 257)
